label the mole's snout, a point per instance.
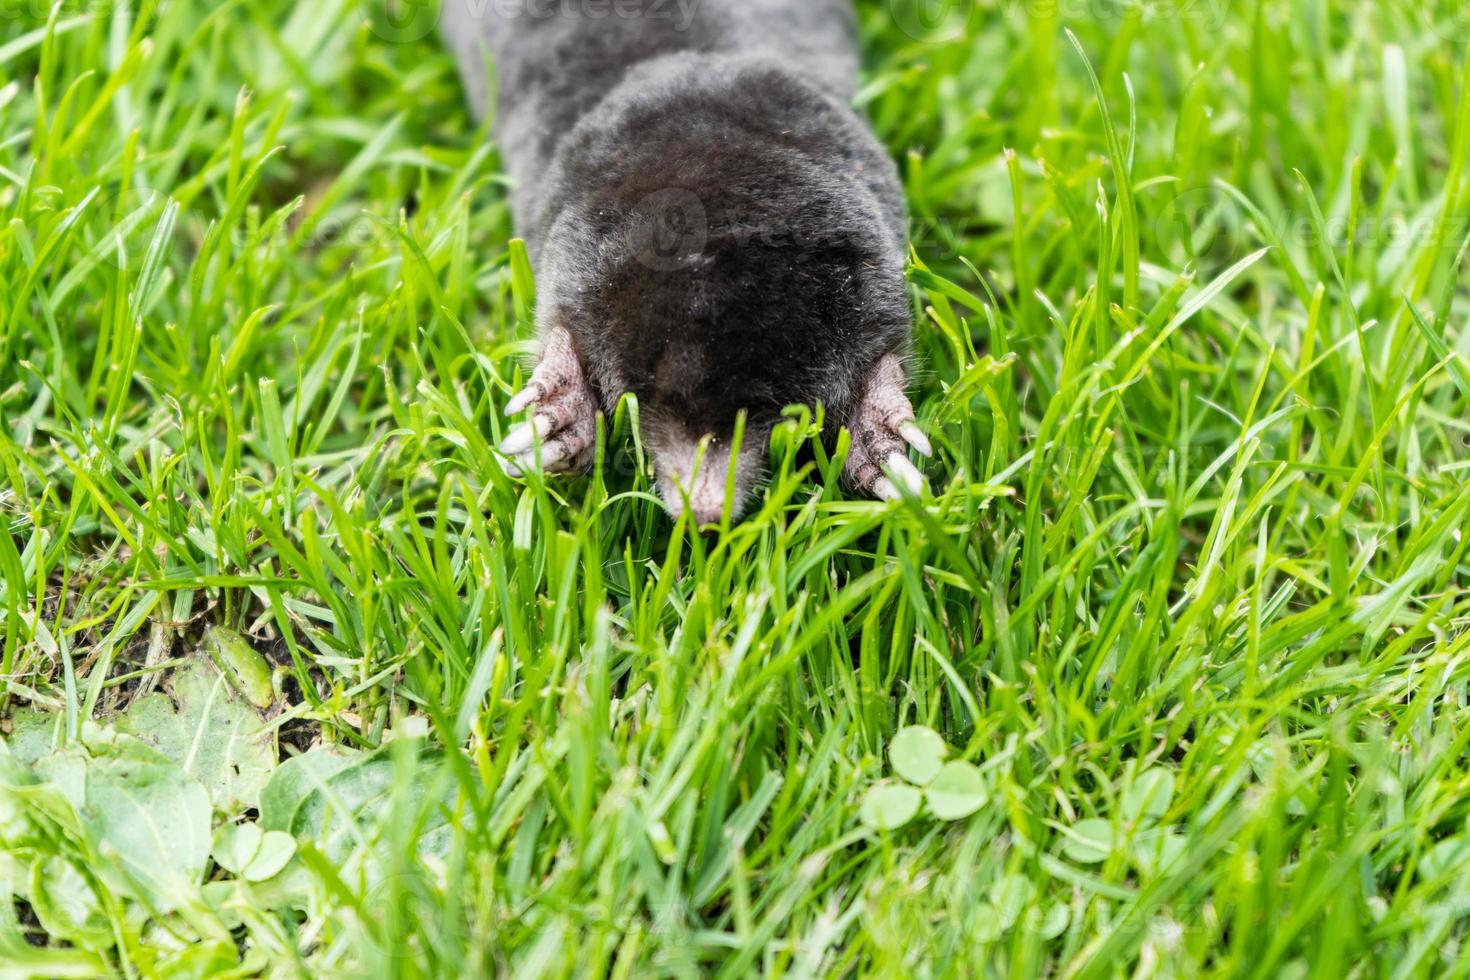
(704, 513)
(695, 476)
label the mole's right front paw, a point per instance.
(883, 430)
(564, 427)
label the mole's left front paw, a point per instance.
(564, 427)
(883, 428)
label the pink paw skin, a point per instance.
(562, 433)
(883, 430)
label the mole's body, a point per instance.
(713, 227)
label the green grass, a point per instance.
(1192, 329)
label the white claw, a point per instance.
(525, 435)
(553, 455)
(525, 399)
(554, 458)
(914, 436)
(884, 489)
(907, 474)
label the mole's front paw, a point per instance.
(564, 427)
(883, 428)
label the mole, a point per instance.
(713, 227)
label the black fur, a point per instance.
(708, 217)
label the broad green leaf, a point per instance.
(145, 810)
(66, 904)
(989, 925)
(1263, 758)
(19, 958)
(295, 800)
(235, 844)
(1010, 895)
(33, 733)
(1055, 922)
(276, 850)
(1156, 851)
(1089, 842)
(212, 734)
(66, 769)
(331, 794)
(956, 792)
(889, 805)
(209, 958)
(917, 753)
(1445, 858)
(1148, 797)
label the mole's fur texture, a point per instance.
(714, 229)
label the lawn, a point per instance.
(1169, 677)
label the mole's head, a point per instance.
(715, 267)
